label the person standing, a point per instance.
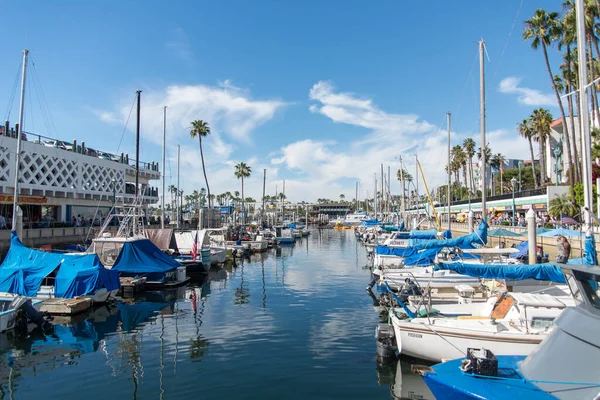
(563, 248)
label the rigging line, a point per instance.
(14, 92)
(512, 28)
(126, 123)
(462, 96)
(44, 99)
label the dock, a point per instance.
(66, 306)
(131, 286)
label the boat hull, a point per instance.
(438, 343)
(7, 317)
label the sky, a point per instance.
(318, 93)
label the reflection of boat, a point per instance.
(408, 385)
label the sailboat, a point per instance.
(130, 252)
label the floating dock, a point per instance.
(131, 286)
(65, 306)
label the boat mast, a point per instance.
(382, 197)
(283, 203)
(137, 147)
(584, 117)
(263, 199)
(162, 203)
(18, 155)
(448, 188)
(375, 196)
(177, 193)
(482, 118)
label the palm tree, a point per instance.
(567, 68)
(488, 160)
(562, 204)
(543, 29)
(458, 161)
(541, 119)
(243, 170)
(526, 131)
(498, 161)
(403, 173)
(342, 197)
(201, 129)
(469, 148)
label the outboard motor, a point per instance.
(410, 288)
(386, 347)
(26, 312)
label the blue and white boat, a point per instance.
(39, 274)
(284, 235)
(565, 364)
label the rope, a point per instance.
(508, 38)
(125, 127)
(14, 91)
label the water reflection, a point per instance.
(406, 384)
(304, 304)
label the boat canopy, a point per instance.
(143, 257)
(540, 272)
(478, 237)
(23, 271)
(164, 239)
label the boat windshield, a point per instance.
(590, 285)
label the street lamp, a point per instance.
(513, 183)
(520, 166)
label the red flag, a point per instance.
(195, 247)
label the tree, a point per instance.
(541, 119)
(403, 173)
(543, 29)
(526, 131)
(488, 160)
(498, 161)
(201, 129)
(342, 197)
(562, 204)
(469, 148)
(242, 170)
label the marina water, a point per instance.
(293, 323)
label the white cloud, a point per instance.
(328, 168)
(527, 96)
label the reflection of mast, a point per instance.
(176, 339)
(162, 365)
(262, 267)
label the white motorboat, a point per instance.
(511, 323)
(284, 235)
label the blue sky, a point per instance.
(319, 93)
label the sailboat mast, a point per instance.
(483, 168)
(448, 188)
(18, 155)
(162, 203)
(264, 188)
(584, 115)
(137, 147)
(177, 193)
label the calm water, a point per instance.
(293, 323)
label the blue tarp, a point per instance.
(590, 256)
(428, 234)
(540, 272)
(395, 251)
(83, 274)
(479, 237)
(136, 314)
(24, 269)
(142, 257)
(369, 222)
(523, 248)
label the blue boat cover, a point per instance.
(478, 237)
(590, 256)
(136, 314)
(428, 234)
(24, 269)
(369, 222)
(143, 257)
(540, 272)
(523, 248)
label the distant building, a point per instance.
(557, 138)
(332, 209)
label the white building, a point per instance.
(57, 185)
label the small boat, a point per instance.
(512, 323)
(43, 275)
(284, 235)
